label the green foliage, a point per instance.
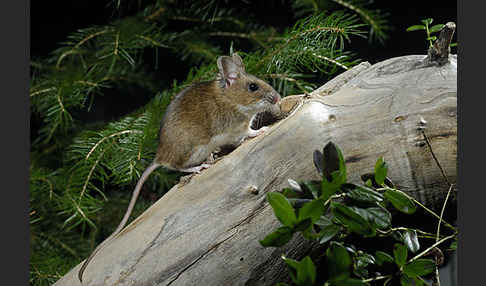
(419, 267)
(400, 253)
(429, 30)
(302, 272)
(343, 215)
(339, 261)
(82, 173)
(400, 201)
(382, 258)
(374, 18)
(282, 208)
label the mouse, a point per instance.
(202, 118)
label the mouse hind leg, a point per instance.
(195, 162)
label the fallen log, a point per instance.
(206, 232)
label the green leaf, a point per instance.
(282, 208)
(364, 194)
(432, 38)
(361, 262)
(400, 201)
(338, 261)
(415, 28)
(328, 232)
(368, 258)
(453, 45)
(328, 189)
(330, 160)
(339, 177)
(351, 249)
(334, 171)
(312, 210)
(419, 267)
(397, 235)
(348, 282)
(382, 257)
(290, 193)
(369, 183)
(427, 21)
(312, 187)
(405, 281)
(310, 234)
(352, 219)
(380, 217)
(303, 272)
(360, 270)
(293, 264)
(411, 241)
(400, 253)
(323, 221)
(306, 272)
(278, 238)
(294, 185)
(436, 28)
(380, 171)
(453, 245)
(302, 225)
(318, 161)
(419, 282)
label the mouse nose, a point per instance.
(276, 98)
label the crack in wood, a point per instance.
(442, 135)
(144, 252)
(211, 248)
(249, 217)
(435, 158)
(271, 184)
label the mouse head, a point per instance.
(248, 92)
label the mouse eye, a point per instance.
(253, 86)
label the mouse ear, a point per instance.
(238, 61)
(230, 69)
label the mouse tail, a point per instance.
(135, 194)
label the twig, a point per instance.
(376, 278)
(155, 14)
(437, 276)
(431, 247)
(402, 228)
(420, 204)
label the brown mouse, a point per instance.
(202, 118)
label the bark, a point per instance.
(206, 232)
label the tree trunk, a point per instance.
(206, 232)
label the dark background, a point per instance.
(51, 21)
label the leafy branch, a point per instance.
(429, 30)
(338, 214)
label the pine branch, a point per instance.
(375, 18)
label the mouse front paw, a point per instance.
(253, 133)
(196, 169)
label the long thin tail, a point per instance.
(138, 187)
